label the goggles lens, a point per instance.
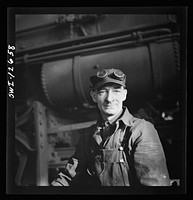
(116, 72)
(119, 73)
(102, 73)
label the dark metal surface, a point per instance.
(42, 145)
(153, 65)
(74, 46)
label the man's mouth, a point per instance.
(109, 106)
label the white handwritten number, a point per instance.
(10, 68)
(11, 47)
(10, 61)
(10, 53)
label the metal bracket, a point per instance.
(42, 146)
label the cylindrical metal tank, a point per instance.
(151, 68)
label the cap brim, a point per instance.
(108, 80)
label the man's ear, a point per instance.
(93, 95)
(124, 94)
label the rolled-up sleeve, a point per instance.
(149, 158)
(74, 172)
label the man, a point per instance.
(119, 150)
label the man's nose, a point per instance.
(109, 96)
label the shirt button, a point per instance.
(121, 160)
(121, 148)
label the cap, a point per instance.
(104, 76)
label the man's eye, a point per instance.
(101, 92)
(116, 91)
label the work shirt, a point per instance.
(123, 152)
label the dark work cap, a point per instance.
(104, 76)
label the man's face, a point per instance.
(109, 98)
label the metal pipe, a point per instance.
(99, 37)
(88, 50)
(81, 46)
(101, 42)
(37, 28)
(70, 127)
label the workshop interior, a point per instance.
(55, 54)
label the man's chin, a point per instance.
(110, 112)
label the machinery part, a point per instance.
(42, 145)
(24, 131)
(71, 127)
(150, 69)
(85, 44)
(22, 156)
(24, 164)
(175, 182)
(24, 140)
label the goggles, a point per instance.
(112, 73)
(107, 76)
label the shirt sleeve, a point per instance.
(75, 170)
(149, 158)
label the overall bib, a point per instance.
(107, 167)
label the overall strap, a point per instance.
(90, 131)
(126, 136)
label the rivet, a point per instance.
(121, 160)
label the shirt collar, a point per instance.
(125, 117)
